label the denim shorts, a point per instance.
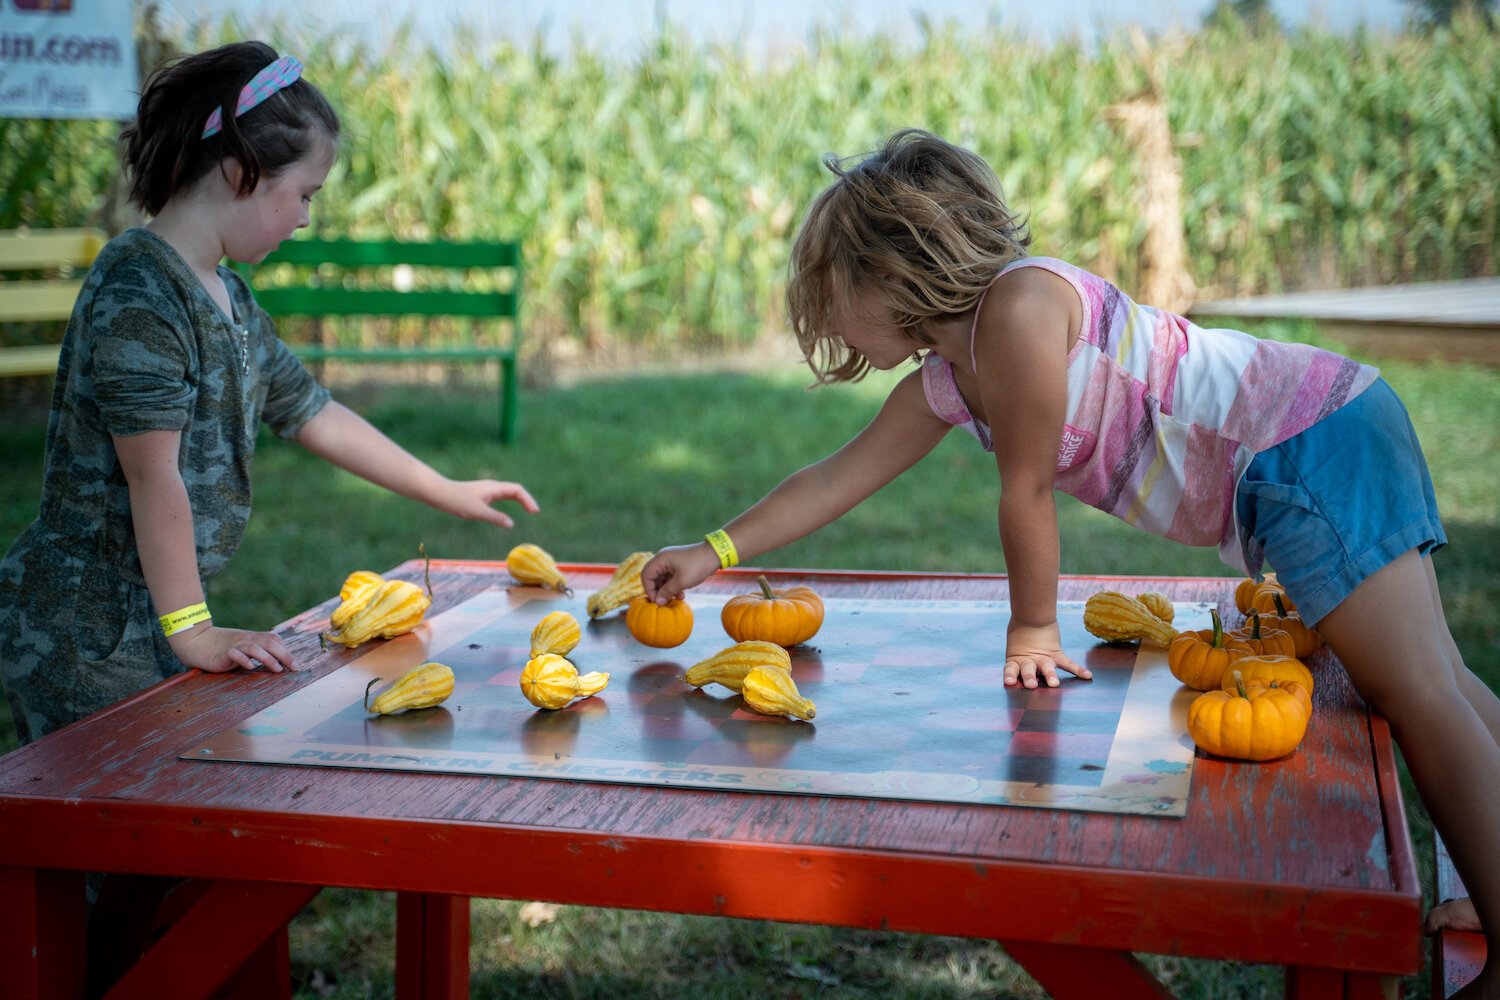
(1332, 505)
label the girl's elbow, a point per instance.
(1027, 491)
(1034, 507)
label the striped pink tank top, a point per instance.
(1164, 416)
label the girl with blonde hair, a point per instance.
(1276, 453)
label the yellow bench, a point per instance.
(51, 263)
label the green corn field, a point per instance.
(657, 196)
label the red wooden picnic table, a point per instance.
(1305, 863)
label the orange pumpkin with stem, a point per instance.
(659, 625)
(1301, 693)
(786, 617)
(1265, 641)
(1248, 725)
(1268, 596)
(1199, 657)
(1266, 669)
(1305, 639)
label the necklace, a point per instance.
(245, 350)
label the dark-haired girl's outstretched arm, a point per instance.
(346, 439)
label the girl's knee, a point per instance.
(1411, 692)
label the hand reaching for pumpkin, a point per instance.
(1033, 655)
(351, 442)
(220, 650)
(472, 499)
(676, 569)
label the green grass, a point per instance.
(645, 460)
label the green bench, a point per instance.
(465, 295)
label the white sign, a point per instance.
(67, 59)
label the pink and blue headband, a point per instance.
(279, 75)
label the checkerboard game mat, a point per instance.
(910, 705)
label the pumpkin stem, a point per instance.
(1280, 605)
(1255, 625)
(1239, 684)
(1218, 628)
(372, 683)
(765, 588)
(426, 566)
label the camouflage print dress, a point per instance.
(146, 349)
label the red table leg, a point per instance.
(1371, 986)
(432, 946)
(267, 975)
(218, 935)
(1067, 972)
(1305, 983)
(44, 954)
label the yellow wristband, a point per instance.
(183, 619)
(723, 548)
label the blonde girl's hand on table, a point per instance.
(676, 569)
(220, 650)
(1034, 655)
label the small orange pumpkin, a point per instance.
(659, 625)
(1244, 593)
(1270, 668)
(1246, 589)
(785, 617)
(1265, 641)
(1267, 596)
(1305, 639)
(1199, 657)
(1301, 693)
(1248, 725)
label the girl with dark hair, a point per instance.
(1275, 453)
(167, 369)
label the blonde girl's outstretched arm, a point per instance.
(1021, 351)
(902, 432)
(163, 521)
(351, 442)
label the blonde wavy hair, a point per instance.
(921, 220)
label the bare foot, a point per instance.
(1454, 915)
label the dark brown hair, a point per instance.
(921, 221)
(164, 150)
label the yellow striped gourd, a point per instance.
(393, 608)
(532, 564)
(551, 681)
(556, 633)
(623, 587)
(773, 692)
(422, 686)
(729, 666)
